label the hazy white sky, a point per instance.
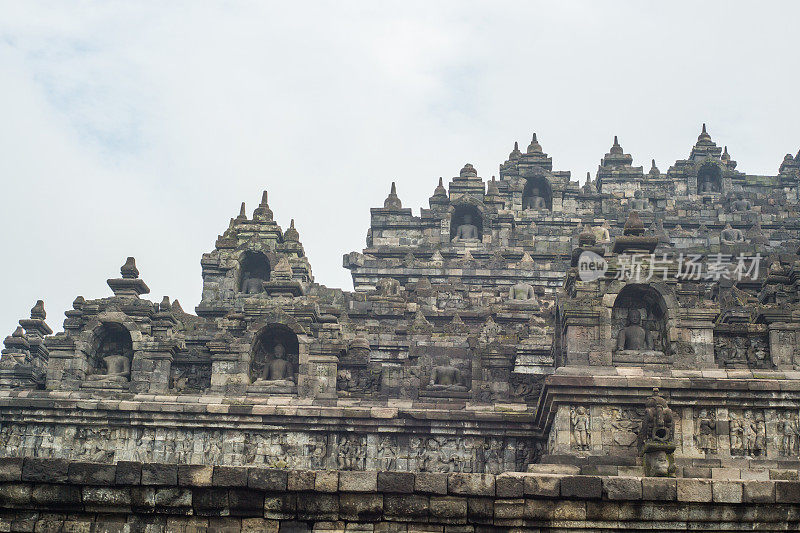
(137, 128)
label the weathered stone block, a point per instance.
(301, 480)
(209, 501)
(581, 487)
(622, 488)
(726, 491)
(38, 470)
(406, 507)
(268, 479)
(694, 490)
(448, 507)
(106, 499)
(659, 489)
(92, 473)
(509, 509)
(159, 474)
(509, 486)
(128, 473)
(280, 506)
(229, 476)
(430, 483)
(358, 481)
(195, 475)
(361, 507)
(260, 525)
(542, 485)
(317, 506)
(471, 484)
(10, 469)
(326, 481)
(56, 497)
(787, 491)
(480, 510)
(245, 502)
(758, 491)
(172, 500)
(15, 493)
(398, 482)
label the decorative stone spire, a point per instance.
(616, 149)
(176, 307)
(789, 165)
(440, 190)
(634, 224)
(439, 197)
(291, 234)
(165, 306)
(37, 312)
(704, 147)
(616, 157)
(242, 213)
(392, 201)
(263, 212)
(468, 171)
(491, 188)
(515, 153)
(35, 325)
(704, 136)
(129, 285)
(129, 270)
(654, 169)
(534, 147)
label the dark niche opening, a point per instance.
(537, 194)
(113, 353)
(645, 305)
(709, 179)
(275, 342)
(254, 270)
(466, 223)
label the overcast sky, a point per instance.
(137, 128)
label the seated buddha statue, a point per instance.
(731, 235)
(252, 284)
(535, 200)
(522, 292)
(118, 370)
(278, 368)
(634, 336)
(466, 231)
(446, 377)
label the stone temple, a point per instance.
(527, 353)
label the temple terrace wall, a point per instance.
(60, 495)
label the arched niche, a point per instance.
(709, 178)
(112, 353)
(465, 215)
(254, 268)
(537, 194)
(274, 342)
(649, 305)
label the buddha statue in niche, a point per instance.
(252, 284)
(446, 377)
(466, 231)
(118, 370)
(708, 186)
(741, 203)
(535, 200)
(522, 292)
(731, 235)
(634, 336)
(277, 368)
